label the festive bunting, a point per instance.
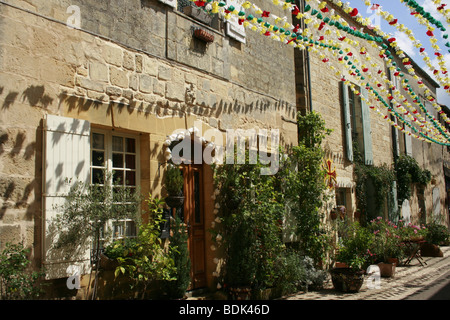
(331, 24)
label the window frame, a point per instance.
(109, 168)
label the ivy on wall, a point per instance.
(409, 172)
(381, 179)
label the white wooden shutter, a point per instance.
(408, 142)
(66, 156)
(347, 122)
(234, 30)
(171, 3)
(367, 132)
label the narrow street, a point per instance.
(413, 282)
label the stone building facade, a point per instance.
(130, 70)
(121, 76)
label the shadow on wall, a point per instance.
(159, 107)
(16, 193)
(35, 96)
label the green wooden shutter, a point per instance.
(367, 132)
(347, 121)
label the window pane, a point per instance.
(130, 229)
(197, 197)
(131, 145)
(97, 176)
(98, 158)
(130, 178)
(118, 177)
(117, 144)
(130, 161)
(98, 141)
(117, 160)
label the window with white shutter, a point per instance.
(347, 121)
(66, 159)
(357, 123)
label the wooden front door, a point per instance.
(193, 213)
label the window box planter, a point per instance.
(198, 14)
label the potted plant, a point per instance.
(354, 251)
(437, 235)
(174, 182)
(386, 249)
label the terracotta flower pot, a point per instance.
(430, 250)
(387, 270)
(203, 35)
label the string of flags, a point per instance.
(333, 41)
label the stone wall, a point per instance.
(119, 72)
(327, 100)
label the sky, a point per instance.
(401, 12)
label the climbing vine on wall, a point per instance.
(382, 178)
(409, 172)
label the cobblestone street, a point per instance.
(408, 282)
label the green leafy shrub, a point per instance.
(354, 246)
(176, 289)
(437, 234)
(17, 282)
(304, 186)
(387, 241)
(147, 260)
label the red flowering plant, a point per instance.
(387, 242)
(411, 232)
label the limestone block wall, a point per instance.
(117, 72)
(326, 94)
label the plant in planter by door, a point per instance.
(250, 212)
(437, 234)
(173, 183)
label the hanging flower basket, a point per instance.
(203, 35)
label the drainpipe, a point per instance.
(301, 4)
(309, 81)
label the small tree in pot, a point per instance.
(173, 183)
